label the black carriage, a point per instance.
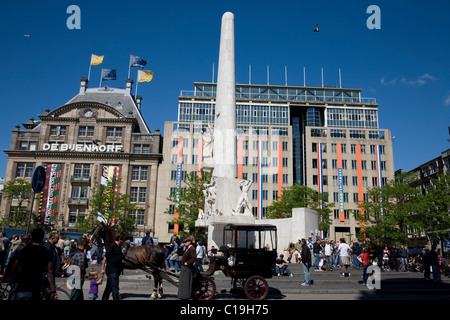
(248, 257)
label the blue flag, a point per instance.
(109, 74)
(135, 61)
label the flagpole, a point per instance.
(89, 73)
(137, 82)
(129, 67)
(101, 79)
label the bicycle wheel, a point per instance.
(62, 294)
(4, 291)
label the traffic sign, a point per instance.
(38, 179)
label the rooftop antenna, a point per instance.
(304, 76)
(322, 77)
(213, 73)
(267, 74)
(340, 78)
(250, 74)
(285, 75)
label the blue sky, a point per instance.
(404, 65)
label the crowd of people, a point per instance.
(30, 265)
(326, 255)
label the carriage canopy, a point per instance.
(250, 236)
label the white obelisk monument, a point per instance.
(225, 117)
(226, 199)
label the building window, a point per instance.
(79, 192)
(139, 173)
(138, 216)
(85, 131)
(113, 132)
(58, 130)
(138, 194)
(28, 145)
(24, 170)
(275, 178)
(141, 148)
(82, 170)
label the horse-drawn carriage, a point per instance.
(249, 255)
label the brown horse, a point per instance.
(142, 257)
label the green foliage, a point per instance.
(298, 196)
(188, 200)
(399, 209)
(20, 190)
(110, 206)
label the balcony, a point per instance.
(80, 179)
(78, 201)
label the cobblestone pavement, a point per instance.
(135, 285)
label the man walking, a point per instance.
(33, 261)
(78, 258)
(113, 261)
(403, 253)
(306, 262)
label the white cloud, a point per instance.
(447, 100)
(417, 82)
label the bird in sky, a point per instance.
(316, 29)
(26, 35)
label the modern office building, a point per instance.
(326, 138)
(97, 135)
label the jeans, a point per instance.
(93, 296)
(365, 275)
(356, 263)
(173, 262)
(436, 273)
(336, 259)
(316, 261)
(329, 260)
(307, 275)
(112, 286)
(282, 270)
(404, 262)
(99, 255)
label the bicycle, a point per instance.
(5, 288)
(62, 294)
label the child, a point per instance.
(65, 266)
(95, 282)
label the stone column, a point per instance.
(225, 118)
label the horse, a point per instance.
(143, 257)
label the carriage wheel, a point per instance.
(205, 289)
(256, 288)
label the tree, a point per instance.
(436, 213)
(187, 201)
(109, 206)
(391, 211)
(298, 196)
(20, 190)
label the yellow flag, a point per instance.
(145, 75)
(96, 60)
